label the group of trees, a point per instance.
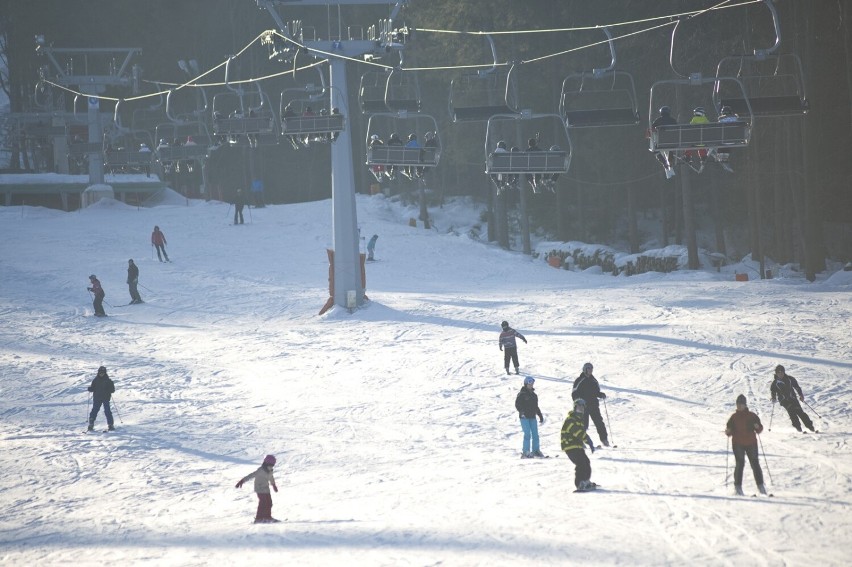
(789, 197)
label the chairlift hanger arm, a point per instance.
(600, 72)
(763, 53)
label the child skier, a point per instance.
(509, 346)
(573, 437)
(526, 403)
(102, 389)
(743, 428)
(263, 478)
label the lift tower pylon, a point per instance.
(347, 263)
(91, 71)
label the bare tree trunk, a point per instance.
(666, 216)
(689, 220)
(632, 227)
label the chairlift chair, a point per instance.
(321, 123)
(238, 115)
(695, 137)
(130, 151)
(526, 124)
(774, 82)
(389, 90)
(476, 97)
(390, 157)
(600, 98)
(184, 141)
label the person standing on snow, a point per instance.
(743, 428)
(527, 405)
(98, 291)
(158, 240)
(263, 478)
(586, 387)
(102, 389)
(573, 437)
(133, 282)
(371, 247)
(784, 387)
(239, 205)
(509, 346)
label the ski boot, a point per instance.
(739, 489)
(762, 488)
(91, 427)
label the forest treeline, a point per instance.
(789, 197)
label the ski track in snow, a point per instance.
(394, 427)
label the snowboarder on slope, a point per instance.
(784, 388)
(263, 478)
(102, 389)
(743, 428)
(509, 346)
(586, 386)
(98, 291)
(573, 437)
(527, 405)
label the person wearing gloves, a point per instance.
(785, 389)
(509, 346)
(743, 428)
(573, 437)
(133, 282)
(263, 479)
(102, 389)
(586, 386)
(99, 294)
(527, 405)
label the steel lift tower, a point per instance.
(91, 71)
(347, 264)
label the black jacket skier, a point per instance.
(586, 387)
(784, 388)
(102, 389)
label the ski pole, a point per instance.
(608, 426)
(251, 221)
(768, 472)
(727, 457)
(229, 211)
(812, 408)
(117, 412)
(145, 287)
(152, 250)
(771, 415)
(88, 401)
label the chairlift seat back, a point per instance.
(788, 105)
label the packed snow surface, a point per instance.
(394, 426)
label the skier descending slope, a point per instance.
(743, 428)
(263, 478)
(574, 436)
(784, 387)
(102, 389)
